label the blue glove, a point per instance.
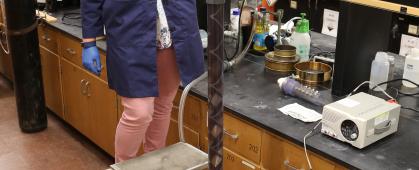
(91, 58)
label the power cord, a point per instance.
(411, 109)
(71, 16)
(305, 146)
(398, 91)
(368, 82)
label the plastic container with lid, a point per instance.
(411, 68)
(301, 38)
(380, 69)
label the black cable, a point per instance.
(411, 109)
(398, 91)
(71, 16)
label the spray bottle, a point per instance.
(300, 39)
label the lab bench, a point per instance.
(257, 135)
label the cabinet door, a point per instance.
(191, 136)
(51, 79)
(102, 110)
(75, 102)
(272, 149)
(192, 111)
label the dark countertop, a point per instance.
(252, 94)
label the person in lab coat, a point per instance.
(152, 46)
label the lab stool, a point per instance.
(179, 156)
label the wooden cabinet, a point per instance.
(48, 38)
(191, 136)
(71, 50)
(233, 160)
(192, 111)
(89, 105)
(279, 154)
(50, 64)
(75, 101)
(240, 137)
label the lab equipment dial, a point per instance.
(349, 130)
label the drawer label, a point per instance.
(254, 148)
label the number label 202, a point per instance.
(254, 148)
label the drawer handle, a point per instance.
(83, 89)
(44, 37)
(88, 89)
(290, 167)
(232, 136)
(48, 39)
(71, 51)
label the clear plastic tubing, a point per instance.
(294, 88)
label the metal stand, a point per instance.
(21, 24)
(215, 82)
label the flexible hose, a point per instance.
(4, 25)
(229, 64)
(183, 101)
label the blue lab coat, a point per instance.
(131, 41)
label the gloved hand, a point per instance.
(91, 59)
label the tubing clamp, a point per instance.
(23, 30)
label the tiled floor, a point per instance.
(59, 147)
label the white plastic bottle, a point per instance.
(235, 19)
(301, 40)
(411, 68)
(380, 68)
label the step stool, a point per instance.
(179, 156)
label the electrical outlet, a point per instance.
(293, 4)
(407, 43)
(413, 29)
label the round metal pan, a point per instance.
(313, 72)
(280, 64)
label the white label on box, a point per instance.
(330, 22)
(381, 118)
(407, 43)
(413, 29)
(348, 102)
(293, 4)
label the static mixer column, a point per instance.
(215, 82)
(21, 23)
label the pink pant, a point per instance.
(146, 120)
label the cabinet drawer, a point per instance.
(52, 81)
(294, 157)
(71, 50)
(48, 38)
(191, 136)
(192, 111)
(241, 137)
(233, 160)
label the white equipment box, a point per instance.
(360, 119)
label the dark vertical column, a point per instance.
(362, 32)
(215, 82)
(24, 49)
